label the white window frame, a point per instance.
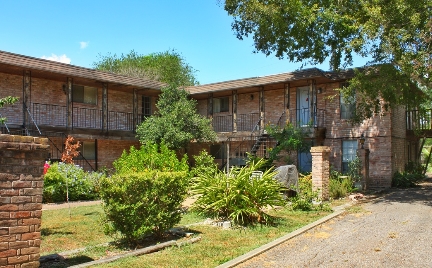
(221, 105)
(90, 94)
(349, 153)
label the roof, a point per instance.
(311, 73)
(43, 65)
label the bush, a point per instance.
(412, 175)
(340, 185)
(204, 164)
(150, 157)
(238, 196)
(82, 185)
(305, 195)
(139, 204)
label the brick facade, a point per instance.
(21, 184)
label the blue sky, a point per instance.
(78, 31)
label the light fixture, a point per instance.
(64, 89)
(362, 140)
(251, 97)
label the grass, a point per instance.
(83, 229)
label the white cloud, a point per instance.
(62, 58)
(84, 45)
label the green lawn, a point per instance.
(83, 229)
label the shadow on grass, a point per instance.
(57, 261)
(51, 231)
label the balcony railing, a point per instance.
(419, 120)
(303, 118)
(56, 116)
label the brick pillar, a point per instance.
(321, 171)
(363, 155)
(21, 185)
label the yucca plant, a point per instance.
(238, 196)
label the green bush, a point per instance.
(412, 175)
(82, 185)
(237, 196)
(144, 203)
(204, 164)
(340, 185)
(150, 157)
(305, 196)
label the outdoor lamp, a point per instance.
(362, 140)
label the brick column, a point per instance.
(21, 185)
(363, 155)
(321, 171)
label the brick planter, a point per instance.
(21, 185)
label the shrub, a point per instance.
(412, 175)
(150, 157)
(340, 185)
(139, 204)
(82, 185)
(204, 164)
(305, 195)
(238, 196)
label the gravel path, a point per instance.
(394, 230)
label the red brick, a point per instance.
(36, 191)
(5, 200)
(18, 259)
(4, 215)
(30, 250)
(22, 184)
(7, 238)
(5, 184)
(5, 192)
(4, 246)
(9, 207)
(34, 257)
(4, 231)
(8, 223)
(31, 221)
(3, 262)
(18, 230)
(33, 264)
(8, 253)
(20, 214)
(30, 236)
(31, 206)
(18, 244)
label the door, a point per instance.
(303, 106)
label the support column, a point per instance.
(287, 103)
(234, 109)
(105, 107)
(69, 105)
(321, 171)
(26, 97)
(135, 110)
(363, 155)
(261, 108)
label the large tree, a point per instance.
(176, 121)
(168, 67)
(395, 34)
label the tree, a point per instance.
(395, 34)
(168, 67)
(176, 121)
(6, 101)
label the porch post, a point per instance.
(261, 108)
(234, 105)
(26, 97)
(363, 155)
(69, 107)
(135, 110)
(321, 171)
(312, 100)
(104, 107)
(287, 103)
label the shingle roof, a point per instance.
(311, 73)
(31, 63)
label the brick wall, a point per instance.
(110, 150)
(21, 186)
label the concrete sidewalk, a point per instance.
(394, 230)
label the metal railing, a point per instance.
(303, 118)
(223, 123)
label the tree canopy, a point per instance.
(168, 67)
(176, 121)
(395, 34)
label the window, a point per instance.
(349, 153)
(347, 106)
(221, 105)
(146, 106)
(88, 149)
(84, 94)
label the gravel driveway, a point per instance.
(394, 230)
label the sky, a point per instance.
(78, 32)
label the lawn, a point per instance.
(84, 230)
